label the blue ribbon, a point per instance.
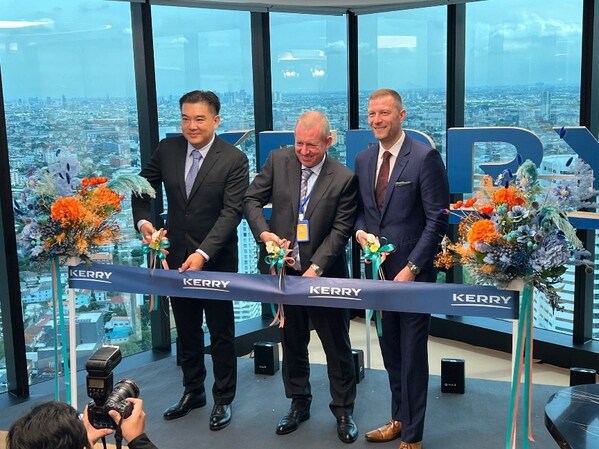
(446, 299)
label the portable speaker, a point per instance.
(452, 376)
(582, 376)
(358, 364)
(266, 357)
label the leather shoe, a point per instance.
(347, 431)
(388, 432)
(220, 416)
(187, 403)
(291, 421)
(417, 445)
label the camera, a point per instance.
(103, 396)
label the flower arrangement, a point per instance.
(517, 228)
(278, 255)
(61, 217)
(375, 252)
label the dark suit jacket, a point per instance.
(331, 209)
(208, 220)
(411, 218)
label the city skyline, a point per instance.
(56, 54)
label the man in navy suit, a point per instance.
(205, 179)
(314, 202)
(403, 190)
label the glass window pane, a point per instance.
(407, 51)
(69, 92)
(523, 62)
(215, 56)
(309, 71)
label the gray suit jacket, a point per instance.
(208, 219)
(331, 210)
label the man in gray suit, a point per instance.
(205, 179)
(314, 204)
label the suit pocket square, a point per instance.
(402, 183)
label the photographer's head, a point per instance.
(51, 425)
(56, 425)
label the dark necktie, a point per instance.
(193, 171)
(382, 180)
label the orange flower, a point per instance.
(482, 231)
(97, 180)
(470, 202)
(67, 210)
(510, 196)
(103, 200)
(486, 210)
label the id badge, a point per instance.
(302, 233)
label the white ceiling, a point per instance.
(311, 6)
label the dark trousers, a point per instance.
(332, 327)
(221, 324)
(404, 346)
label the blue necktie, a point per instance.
(193, 171)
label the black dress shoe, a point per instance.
(347, 431)
(291, 421)
(220, 416)
(187, 403)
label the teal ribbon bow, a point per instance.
(159, 252)
(276, 260)
(375, 258)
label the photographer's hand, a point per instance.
(93, 434)
(135, 424)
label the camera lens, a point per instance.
(123, 389)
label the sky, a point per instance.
(83, 48)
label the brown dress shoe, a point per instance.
(404, 445)
(388, 432)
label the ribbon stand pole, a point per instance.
(367, 322)
(73, 261)
(522, 339)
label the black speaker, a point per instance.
(582, 376)
(358, 364)
(266, 357)
(452, 376)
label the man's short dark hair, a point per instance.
(51, 425)
(201, 96)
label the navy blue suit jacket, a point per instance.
(411, 218)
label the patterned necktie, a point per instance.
(193, 171)
(382, 180)
(306, 173)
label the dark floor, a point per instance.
(476, 419)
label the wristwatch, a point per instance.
(415, 269)
(316, 269)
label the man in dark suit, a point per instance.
(205, 179)
(403, 190)
(314, 201)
